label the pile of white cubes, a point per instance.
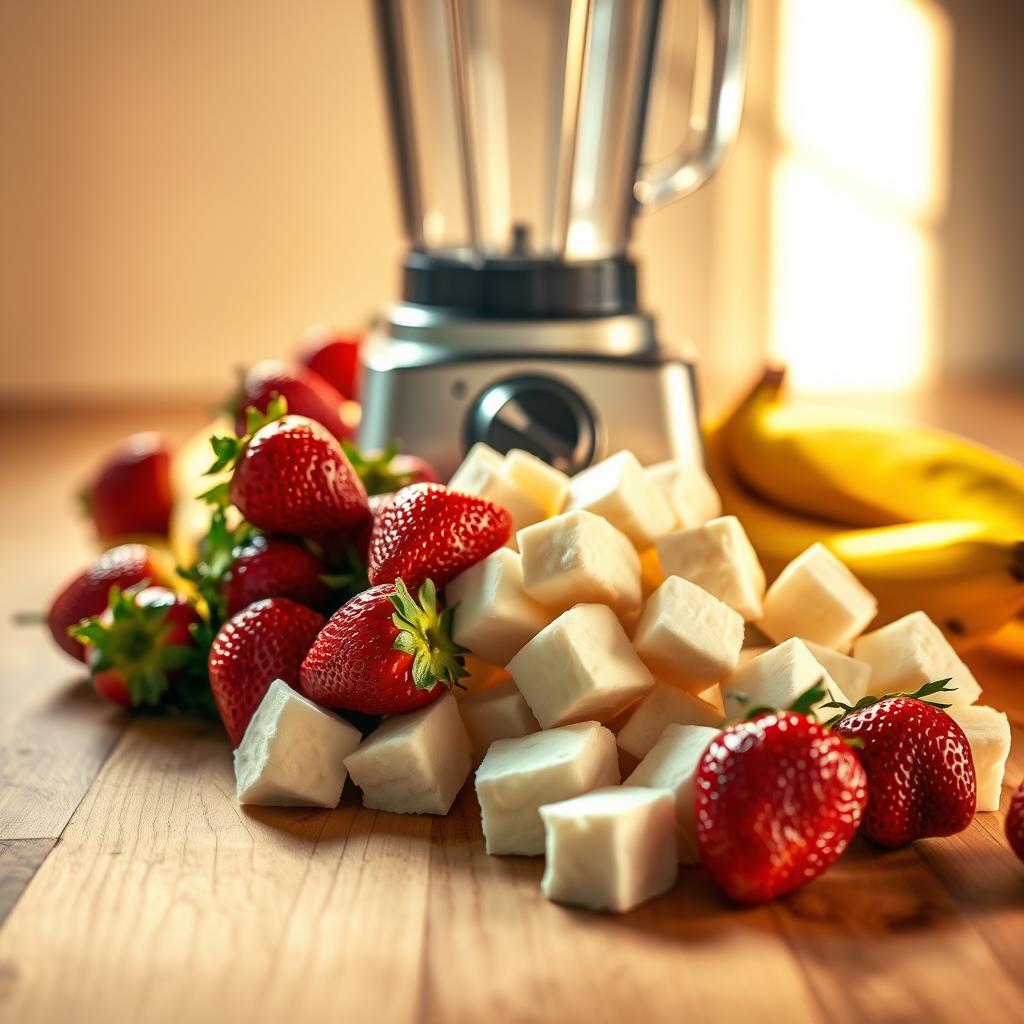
(610, 640)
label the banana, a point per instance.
(190, 517)
(966, 576)
(859, 470)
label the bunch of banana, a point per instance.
(924, 519)
(190, 517)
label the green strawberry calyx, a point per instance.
(804, 704)
(228, 449)
(927, 690)
(425, 634)
(132, 642)
(375, 469)
(211, 571)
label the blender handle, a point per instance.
(708, 139)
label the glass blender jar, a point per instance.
(517, 128)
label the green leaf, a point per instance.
(218, 496)
(424, 633)
(376, 470)
(805, 703)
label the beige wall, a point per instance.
(184, 185)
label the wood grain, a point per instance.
(19, 861)
(163, 900)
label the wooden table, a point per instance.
(136, 889)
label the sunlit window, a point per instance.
(859, 191)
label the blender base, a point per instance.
(569, 404)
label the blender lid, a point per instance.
(518, 288)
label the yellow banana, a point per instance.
(190, 517)
(968, 578)
(859, 470)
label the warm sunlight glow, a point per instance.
(863, 114)
(853, 287)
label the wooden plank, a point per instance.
(499, 951)
(50, 752)
(881, 938)
(19, 861)
(166, 901)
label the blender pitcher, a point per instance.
(517, 128)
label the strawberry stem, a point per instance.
(927, 690)
(426, 636)
(376, 470)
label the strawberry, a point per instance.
(263, 642)
(290, 476)
(305, 391)
(86, 595)
(427, 530)
(388, 471)
(130, 493)
(778, 800)
(383, 652)
(335, 356)
(139, 645)
(273, 567)
(1015, 822)
(918, 763)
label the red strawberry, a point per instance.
(271, 567)
(383, 653)
(335, 356)
(293, 477)
(388, 471)
(919, 768)
(264, 642)
(139, 645)
(305, 391)
(130, 494)
(427, 530)
(86, 595)
(1015, 822)
(778, 800)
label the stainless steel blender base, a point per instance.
(572, 404)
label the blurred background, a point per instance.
(185, 186)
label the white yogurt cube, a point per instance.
(547, 486)
(482, 473)
(988, 732)
(477, 468)
(719, 557)
(580, 558)
(907, 653)
(688, 490)
(776, 679)
(414, 763)
(493, 615)
(582, 667)
(618, 490)
(853, 677)
(517, 776)
(665, 705)
(817, 597)
(687, 637)
(611, 849)
(672, 764)
(293, 752)
(500, 713)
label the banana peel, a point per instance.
(190, 516)
(859, 470)
(966, 574)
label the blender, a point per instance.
(517, 128)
